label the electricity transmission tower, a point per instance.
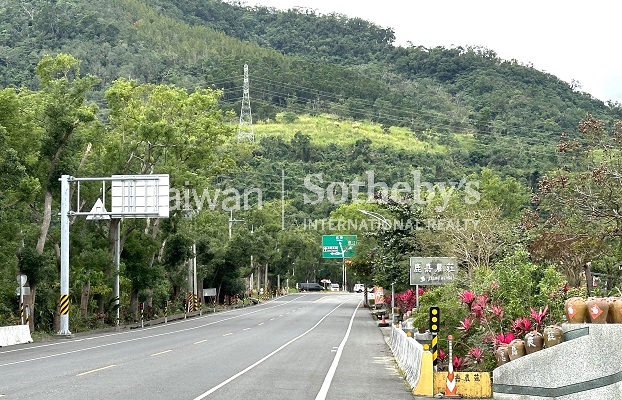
(245, 128)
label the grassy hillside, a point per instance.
(330, 129)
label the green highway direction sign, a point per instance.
(338, 246)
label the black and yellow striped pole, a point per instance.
(27, 312)
(165, 311)
(435, 319)
(142, 315)
(21, 313)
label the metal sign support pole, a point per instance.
(417, 296)
(64, 256)
(117, 268)
(21, 301)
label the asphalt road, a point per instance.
(303, 346)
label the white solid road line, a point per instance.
(245, 370)
(333, 367)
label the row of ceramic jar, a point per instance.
(597, 310)
(533, 342)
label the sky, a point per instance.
(572, 40)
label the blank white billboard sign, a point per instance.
(140, 196)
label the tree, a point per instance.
(160, 129)
(64, 118)
(580, 202)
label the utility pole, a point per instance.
(231, 221)
(245, 127)
(282, 199)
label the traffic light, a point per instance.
(142, 306)
(435, 319)
(165, 303)
(185, 302)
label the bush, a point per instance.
(497, 305)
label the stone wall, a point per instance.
(586, 367)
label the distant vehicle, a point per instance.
(310, 287)
(359, 288)
(334, 287)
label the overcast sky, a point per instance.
(571, 40)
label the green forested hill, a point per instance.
(334, 64)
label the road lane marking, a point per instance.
(129, 340)
(260, 323)
(201, 341)
(160, 353)
(134, 332)
(272, 319)
(227, 334)
(96, 370)
(281, 315)
(246, 329)
(333, 367)
(245, 370)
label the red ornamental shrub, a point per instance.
(465, 324)
(521, 326)
(467, 297)
(476, 354)
(407, 300)
(504, 338)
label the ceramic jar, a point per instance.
(597, 309)
(533, 342)
(502, 354)
(576, 310)
(615, 310)
(516, 349)
(553, 335)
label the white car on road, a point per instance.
(334, 287)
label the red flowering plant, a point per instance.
(503, 338)
(520, 326)
(539, 316)
(476, 357)
(405, 301)
(460, 363)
